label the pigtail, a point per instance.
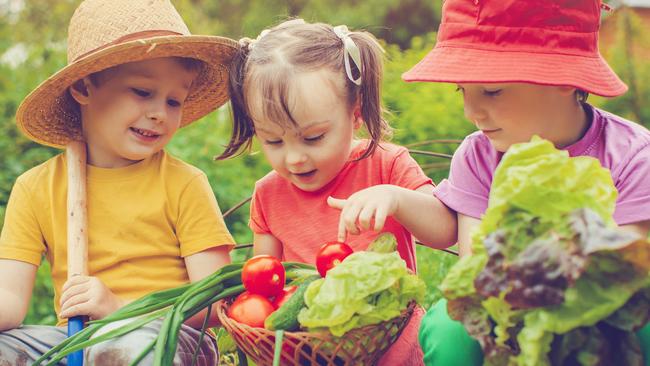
(243, 128)
(369, 92)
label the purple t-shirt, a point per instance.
(621, 146)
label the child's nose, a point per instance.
(157, 111)
(473, 112)
(295, 157)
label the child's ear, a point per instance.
(567, 90)
(358, 117)
(79, 91)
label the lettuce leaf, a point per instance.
(548, 267)
(534, 185)
(366, 288)
(537, 178)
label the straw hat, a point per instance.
(106, 33)
(549, 42)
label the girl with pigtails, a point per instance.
(304, 91)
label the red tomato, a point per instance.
(250, 309)
(330, 255)
(287, 292)
(263, 275)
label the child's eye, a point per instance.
(492, 93)
(173, 103)
(140, 92)
(273, 142)
(314, 138)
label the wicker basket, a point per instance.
(362, 346)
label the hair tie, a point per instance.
(245, 43)
(251, 42)
(350, 52)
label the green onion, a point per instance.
(279, 335)
(174, 305)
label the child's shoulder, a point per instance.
(50, 170)
(619, 130)
(175, 167)
(54, 170)
(384, 151)
(272, 180)
(476, 148)
(389, 147)
(620, 142)
(385, 154)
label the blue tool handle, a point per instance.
(76, 325)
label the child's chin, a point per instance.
(139, 155)
(500, 146)
(308, 187)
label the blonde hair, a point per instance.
(270, 63)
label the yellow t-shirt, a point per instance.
(142, 220)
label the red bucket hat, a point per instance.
(547, 42)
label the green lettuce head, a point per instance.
(547, 261)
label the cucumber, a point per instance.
(286, 317)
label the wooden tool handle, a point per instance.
(77, 229)
(77, 216)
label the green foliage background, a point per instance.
(32, 47)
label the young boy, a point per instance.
(525, 68)
(134, 76)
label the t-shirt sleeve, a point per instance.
(257, 221)
(406, 172)
(464, 191)
(21, 238)
(633, 203)
(200, 224)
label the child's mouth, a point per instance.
(305, 177)
(490, 132)
(306, 174)
(146, 135)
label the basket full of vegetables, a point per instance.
(347, 313)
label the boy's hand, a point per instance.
(360, 209)
(87, 296)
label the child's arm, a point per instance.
(267, 244)
(419, 211)
(642, 228)
(199, 266)
(16, 284)
(466, 226)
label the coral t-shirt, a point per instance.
(303, 221)
(621, 146)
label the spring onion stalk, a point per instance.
(174, 305)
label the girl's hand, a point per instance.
(87, 296)
(362, 208)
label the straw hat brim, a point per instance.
(49, 116)
(469, 65)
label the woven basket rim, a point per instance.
(360, 346)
